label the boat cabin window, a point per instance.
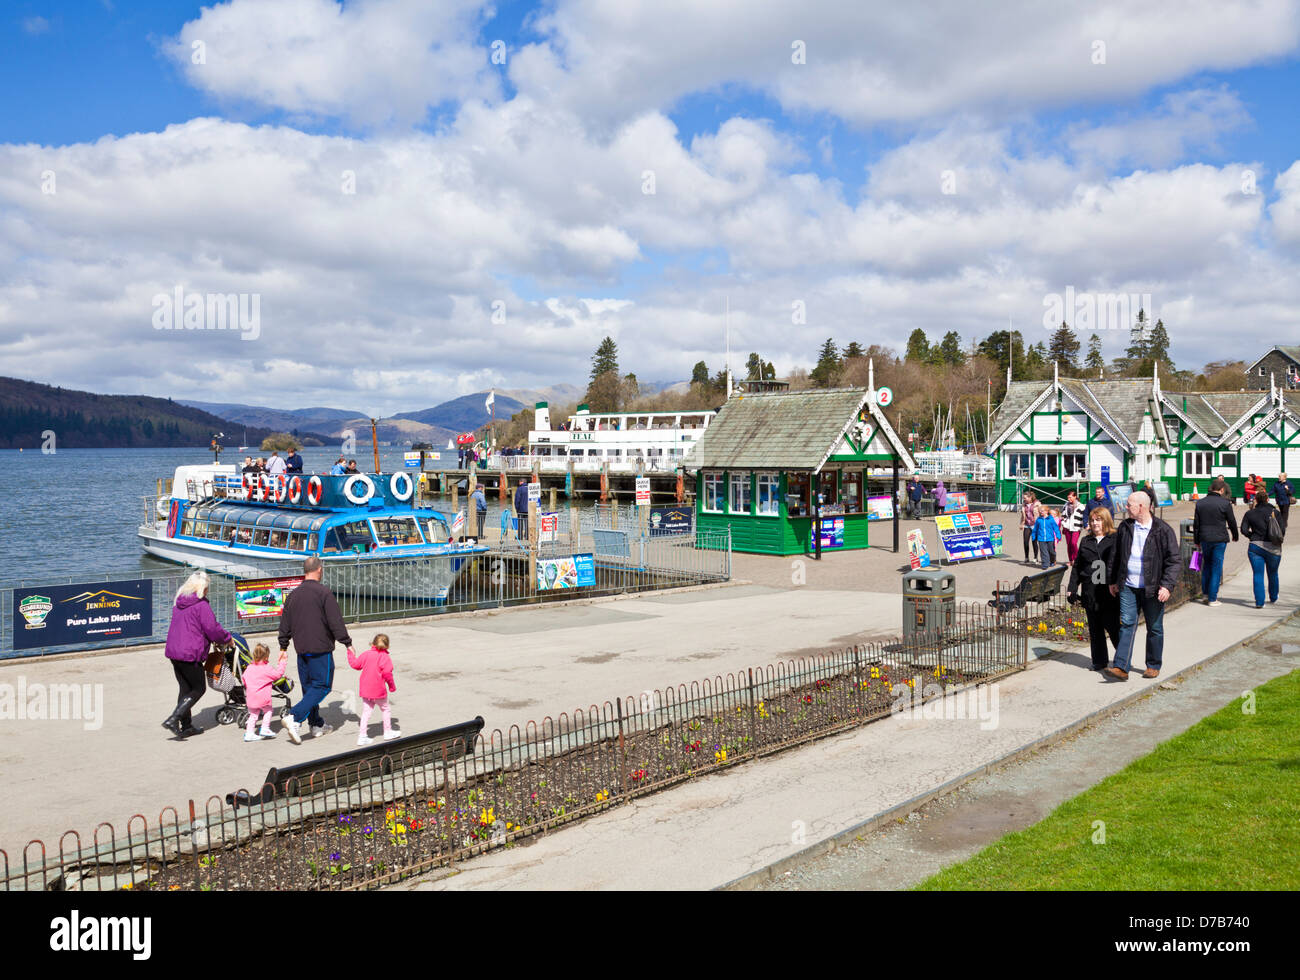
(214, 529)
(261, 537)
(396, 530)
(313, 543)
(227, 532)
(436, 531)
(187, 526)
(298, 541)
(279, 539)
(346, 537)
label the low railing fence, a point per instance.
(381, 821)
(370, 589)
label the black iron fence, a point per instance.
(379, 821)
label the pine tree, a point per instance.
(949, 350)
(1094, 361)
(1157, 345)
(1005, 348)
(854, 350)
(918, 347)
(1064, 348)
(1138, 344)
(605, 358)
(828, 362)
(700, 374)
(754, 368)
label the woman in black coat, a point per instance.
(1090, 583)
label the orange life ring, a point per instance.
(249, 481)
(295, 489)
(314, 489)
(263, 486)
(279, 488)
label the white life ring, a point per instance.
(404, 480)
(295, 489)
(279, 488)
(351, 481)
(249, 482)
(263, 486)
(314, 490)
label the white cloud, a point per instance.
(1285, 211)
(35, 25)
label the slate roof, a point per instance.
(1020, 396)
(1118, 406)
(1288, 351)
(779, 430)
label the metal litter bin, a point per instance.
(1186, 547)
(929, 601)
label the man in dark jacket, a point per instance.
(915, 491)
(313, 621)
(293, 463)
(521, 509)
(1144, 571)
(1212, 521)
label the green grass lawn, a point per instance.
(1217, 807)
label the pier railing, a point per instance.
(378, 822)
(373, 588)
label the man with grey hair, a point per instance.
(313, 621)
(1145, 568)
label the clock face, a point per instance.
(884, 397)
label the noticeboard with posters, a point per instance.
(1164, 498)
(569, 572)
(957, 503)
(964, 536)
(1119, 495)
(58, 615)
(830, 532)
(880, 508)
(263, 598)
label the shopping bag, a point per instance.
(1196, 561)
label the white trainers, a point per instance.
(291, 729)
(320, 731)
(364, 740)
(389, 736)
(250, 737)
(266, 733)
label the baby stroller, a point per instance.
(225, 672)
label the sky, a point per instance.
(383, 204)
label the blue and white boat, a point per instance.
(364, 527)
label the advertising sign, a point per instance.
(263, 598)
(917, 553)
(671, 520)
(61, 614)
(880, 508)
(830, 532)
(957, 503)
(411, 459)
(1163, 497)
(547, 524)
(964, 536)
(1119, 495)
(643, 490)
(995, 535)
(569, 572)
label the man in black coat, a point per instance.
(312, 619)
(1144, 571)
(1283, 494)
(1212, 521)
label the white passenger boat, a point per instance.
(364, 527)
(627, 441)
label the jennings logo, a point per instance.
(101, 600)
(34, 609)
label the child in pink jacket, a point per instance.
(376, 668)
(258, 678)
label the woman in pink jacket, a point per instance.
(376, 668)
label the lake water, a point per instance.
(76, 511)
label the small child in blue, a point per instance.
(1046, 532)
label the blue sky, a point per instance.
(521, 183)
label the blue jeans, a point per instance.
(1153, 611)
(1047, 553)
(1262, 561)
(1212, 568)
(316, 674)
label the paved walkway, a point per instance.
(722, 828)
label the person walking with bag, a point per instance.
(1090, 584)
(1143, 574)
(1212, 521)
(312, 619)
(1264, 530)
(192, 628)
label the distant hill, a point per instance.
(324, 420)
(85, 420)
(466, 413)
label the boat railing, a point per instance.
(584, 464)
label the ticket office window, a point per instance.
(769, 500)
(828, 487)
(797, 487)
(851, 493)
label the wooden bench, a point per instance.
(347, 768)
(1039, 587)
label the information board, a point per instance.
(643, 490)
(55, 615)
(569, 572)
(995, 535)
(880, 508)
(830, 532)
(671, 520)
(1163, 496)
(964, 536)
(957, 503)
(1119, 495)
(917, 553)
(263, 598)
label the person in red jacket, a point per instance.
(192, 628)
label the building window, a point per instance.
(740, 493)
(826, 481)
(769, 500)
(1197, 463)
(1261, 370)
(713, 492)
(852, 496)
(1017, 465)
(796, 496)
(1228, 459)
(1045, 466)
(1171, 432)
(1074, 466)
